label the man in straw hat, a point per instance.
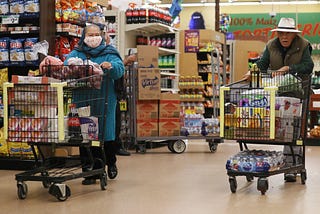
(288, 53)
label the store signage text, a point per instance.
(258, 26)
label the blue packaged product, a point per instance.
(4, 51)
(31, 57)
(31, 8)
(4, 7)
(17, 52)
(17, 7)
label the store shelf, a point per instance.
(151, 29)
(173, 90)
(193, 100)
(166, 51)
(167, 69)
(169, 74)
(63, 33)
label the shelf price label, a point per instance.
(123, 105)
(11, 19)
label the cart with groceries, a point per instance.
(55, 114)
(270, 109)
(153, 118)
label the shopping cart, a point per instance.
(41, 112)
(270, 109)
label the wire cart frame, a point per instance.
(175, 144)
(36, 112)
(270, 109)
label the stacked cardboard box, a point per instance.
(169, 114)
(157, 114)
(148, 91)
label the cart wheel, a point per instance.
(141, 148)
(103, 181)
(170, 145)
(213, 146)
(45, 183)
(303, 176)
(233, 184)
(262, 185)
(249, 178)
(22, 190)
(179, 146)
(60, 191)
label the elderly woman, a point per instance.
(93, 46)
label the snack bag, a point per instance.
(17, 7)
(4, 51)
(64, 47)
(17, 52)
(31, 7)
(30, 55)
(4, 7)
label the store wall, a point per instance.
(208, 12)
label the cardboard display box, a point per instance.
(169, 105)
(147, 56)
(169, 127)
(147, 109)
(147, 128)
(149, 83)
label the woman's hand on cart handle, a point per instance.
(106, 65)
(281, 71)
(247, 76)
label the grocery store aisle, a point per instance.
(160, 182)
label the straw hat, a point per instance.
(286, 25)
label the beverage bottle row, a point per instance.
(164, 41)
(191, 81)
(249, 161)
(166, 61)
(191, 94)
(144, 14)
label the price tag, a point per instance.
(95, 143)
(12, 19)
(123, 105)
(299, 142)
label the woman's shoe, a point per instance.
(88, 181)
(112, 171)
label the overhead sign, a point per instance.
(258, 26)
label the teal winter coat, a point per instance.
(109, 54)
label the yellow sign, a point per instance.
(123, 105)
(95, 143)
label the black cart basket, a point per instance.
(270, 109)
(63, 113)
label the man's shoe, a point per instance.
(88, 181)
(290, 177)
(112, 171)
(122, 152)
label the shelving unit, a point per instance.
(45, 23)
(208, 64)
(127, 33)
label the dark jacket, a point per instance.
(297, 57)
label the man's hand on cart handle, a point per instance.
(106, 65)
(282, 71)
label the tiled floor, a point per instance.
(160, 182)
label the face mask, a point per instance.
(93, 41)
